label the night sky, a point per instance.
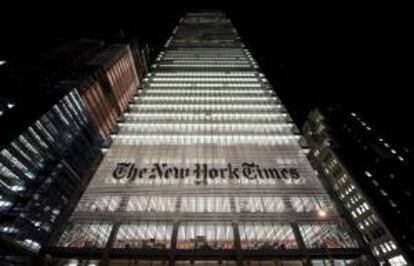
(357, 56)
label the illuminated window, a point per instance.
(197, 235)
(205, 204)
(398, 261)
(368, 174)
(101, 203)
(310, 204)
(155, 235)
(149, 203)
(326, 235)
(259, 204)
(85, 235)
(256, 235)
(4, 203)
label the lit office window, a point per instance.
(202, 99)
(100, 203)
(209, 139)
(398, 261)
(259, 204)
(338, 262)
(155, 235)
(148, 203)
(326, 235)
(92, 235)
(205, 204)
(8, 175)
(310, 204)
(13, 184)
(196, 65)
(203, 79)
(35, 153)
(204, 85)
(202, 92)
(16, 163)
(205, 235)
(205, 107)
(30, 244)
(129, 128)
(213, 117)
(4, 203)
(266, 235)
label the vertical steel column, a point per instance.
(237, 244)
(104, 261)
(173, 249)
(301, 243)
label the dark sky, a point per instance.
(354, 55)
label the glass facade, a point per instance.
(346, 177)
(206, 163)
(42, 171)
(107, 94)
(98, 105)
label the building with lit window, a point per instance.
(206, 167)
(56, 112)
(105, 74)
(369, 177)
(141, 52)
(106, 85)
(49, 149)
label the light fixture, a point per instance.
(322, 213)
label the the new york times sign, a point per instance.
(202, 172)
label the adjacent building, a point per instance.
(140, 52)
(48, 151)
(206, 167)
(57, 110)
(370, 177)
(106, 74)
(107, 82)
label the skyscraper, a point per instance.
(49, 149)
(56, 110)
(369, 176)
(206, 165)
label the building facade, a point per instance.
(106, 83)
(47, 157)
(104, 73)
(369, 177)
(206, 167)
(56, 112)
